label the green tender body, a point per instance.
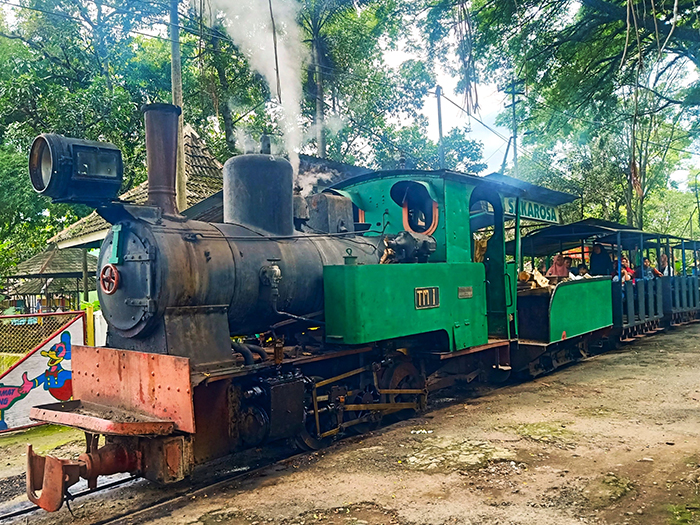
(369, 303)
(579, 307)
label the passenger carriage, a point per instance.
(638, 307)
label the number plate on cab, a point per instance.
(428, 297)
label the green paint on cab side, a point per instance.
(458, 235)
(368, 303)
(579, 307)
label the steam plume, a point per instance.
(249, 24)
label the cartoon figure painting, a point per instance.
(56, 379)
(9, 395)
(53, 375)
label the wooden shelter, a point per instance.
(52, 279)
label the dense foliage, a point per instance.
(608, 92)
(609, 89)
(84, 67)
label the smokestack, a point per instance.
(161, 154)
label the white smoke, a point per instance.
(245, 142)
(331, 124)
(249, 24)
(306, 181)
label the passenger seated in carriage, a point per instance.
(626, 271)
(648, 272)
(664, 268)
(600, 261)
(568, 261)
(581, 271)
(558, 268)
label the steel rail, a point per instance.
(148, 512)
(87, 492)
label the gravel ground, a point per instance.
(611, 440)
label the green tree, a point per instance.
(411, 146)
(316, 16)
(27, 221)
(62, 70)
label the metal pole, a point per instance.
(682, 256)
(619, 257)
(658, 252)
(441, 145)
(515, 133)
(176, 82)
(518, 240)
(86, 288)
(505, 157)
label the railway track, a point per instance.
(31, 508)
(168, 504)
(163, 505)
(179, 498)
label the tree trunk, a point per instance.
(320, 137)
(176, 86)
(224, 108)
(101, 49)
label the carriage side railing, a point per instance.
(638, 302)
(684, 293)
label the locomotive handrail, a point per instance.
(510, 290)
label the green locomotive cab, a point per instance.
(461, 289)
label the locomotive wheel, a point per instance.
(369, 395)
(402, 375)
(308, 439)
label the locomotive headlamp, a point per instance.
(75, 170)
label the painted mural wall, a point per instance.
(42, 376)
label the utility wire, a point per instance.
(383, 138)
(502, 137)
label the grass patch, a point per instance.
(544, 432)
(688, 514)
(600, 411)
(618, 486)
(609, 489)
(44, 438)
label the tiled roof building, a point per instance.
(55, 263)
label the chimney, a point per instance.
(161, 154)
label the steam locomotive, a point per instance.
(293, 318)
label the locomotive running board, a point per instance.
(98, 419)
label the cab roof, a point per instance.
(552, 239)
(506, 186)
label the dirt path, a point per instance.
(613, 439)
